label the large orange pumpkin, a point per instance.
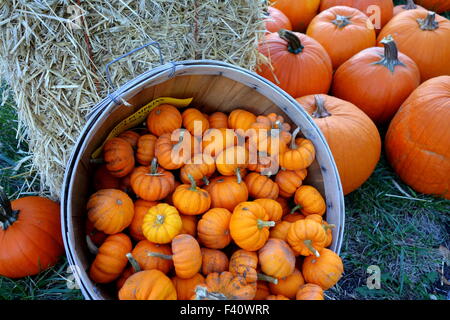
(410, 5)
(339, 121)
(435, 5)
(380, 11)
(343, 32)
(417, 141)
(425, 38)
(377, 81)
(30, 235)
(299, 64)
(275, 20)
(299, 12)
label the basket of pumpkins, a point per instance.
(202, 180)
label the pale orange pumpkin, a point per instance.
(339, 121)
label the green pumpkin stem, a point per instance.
(429, 23)
(264, 277)
(238, 175)
(327, 227)
(97, 161)
(308, 244)
(133, 262)
(294, 44)
(295, 208)
(201, 293)
(205, 180)
(154, 168)
(193, 183)
(7, 215)
(294, 134)
(321, 111)
(160, 255)
(262, 224)
(390, 59)
(410, 5)
(160, 218)
(341, 21)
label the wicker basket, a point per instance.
(215, 86)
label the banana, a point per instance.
(140, 116)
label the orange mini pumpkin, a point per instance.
(224, 286)
(215, 140)
(213, 260)
(186, 287)
(118, 156)
(307, 237)
(272, 207)
(172, 154)
(300, 155)
(309, 200)
(289, 181)
(309, 291)
(152, 183)
(325, 270)
(111, 259)
(227, 192)
(241, 120)
(103, 179)
(200, 167)
(110, 210)
(190, 199)
(249, 226)
(218, 120)
(214, 228)
(187, 256)
(143, 254)
(276, 258)
(189, 225)
(232, 159)
(194, 121)
(148, 285)
(288, 286)
(277, 297)
(164, 119)
(141, 208)
(260, 186)
(280, 230)
(131, 137)
(146, 149)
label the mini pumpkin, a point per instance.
(214, 228)
(118, 156)
(161, 223)
(277, 297)
(164, 119)
(131, 137)
(232, 159)
(213, 260)
(189, 225)
(224, 286)
(309, 200)
(215, 140)
(152, 183)
(218, 120)
(276, 258)
(148, 285)
(111, 258)
(110, 210)
(325, 270)
(143, 254)
(280, 230)
(272, 207)
(300, 155)
(146, 149)
(249, 226)
(241, 120)
(309, 291)
(186, 287)
(194, 121)
(288, 286)
(200, 167)
(289, 181)
(260, 186)
(173, 150)
(141, 208)
(307, 237)
(190, 199)
(227, 192)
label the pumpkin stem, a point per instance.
(294, 44)
(180, 139)
(295, 208)
(160, 255)
(193, 183)
(321, 111)
(91, 246)
(205, 180)
(308, 244)
(264, 277)
(410, 5)
(154, 168)
(341, 21)
(7, 215)
(238, 175)
(201, 293)
(390, 59)
(160, 218)
(294, 134)
(429, 23)
(97, 161)
(262, 224)
(327, 227)
(133, 262)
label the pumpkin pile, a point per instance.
(340, 57)
(181, 210)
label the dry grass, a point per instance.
(53, 54)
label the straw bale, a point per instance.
(53, 55)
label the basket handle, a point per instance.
(153, 43)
